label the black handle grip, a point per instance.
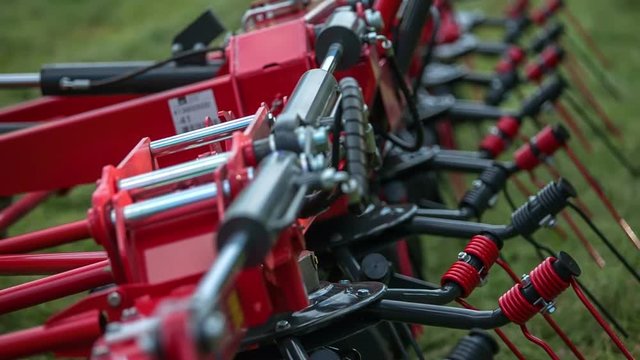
(549, 91)
(478, 345)
(515, 28)
(548, 202)
(547, 36)
(490, 183)
(501, 86)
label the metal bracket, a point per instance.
(197, 35)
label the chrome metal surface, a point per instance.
(200, 137)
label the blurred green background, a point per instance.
(33, 32)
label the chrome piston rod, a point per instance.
(20, 80)
(200, 137)
(173, 174)
(147, 208)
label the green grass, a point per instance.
(33, 32)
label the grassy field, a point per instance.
(33, 32)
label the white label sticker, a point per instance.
(189, 111)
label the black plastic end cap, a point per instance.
(566, 188)
(375, 267)
(561, 133)
(566, 266)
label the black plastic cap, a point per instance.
(325, 354)
(560, 50)
(375, 267)
(566, 188)
(561, 133)
(566, 267)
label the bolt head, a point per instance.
(129, 313)
(363, 292)
(114, 299)
(99, 351)
(344, 282)
(282, 325)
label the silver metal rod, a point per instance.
(22, 80)
(332, 58)
(324, 6)
(267, 11)
(173, 174)
(200, 137)
(206, 296)
(144, 209)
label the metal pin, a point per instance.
(173, 174)
(144, 209)
(200, 137)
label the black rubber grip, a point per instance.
(515, 28)
(548, 202)
(500, 87)
(549, 35)
(549, 91)
(478, 345)
(491, 182)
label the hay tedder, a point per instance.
(272, 198)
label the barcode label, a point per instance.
(189, 112)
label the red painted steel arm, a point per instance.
(42, 239)
(21, 207)
(76, 331)
(55, 286)
(41, 264)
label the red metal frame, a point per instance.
(40, 264)
(76, 332)
(275, 56)
(21, 207)
(55, 286)
(134, 263)
(50, 108)
(46, 238)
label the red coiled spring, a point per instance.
(516, 307)
(466, 275)
(485, 250)
(547, 283)
(463, 274)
